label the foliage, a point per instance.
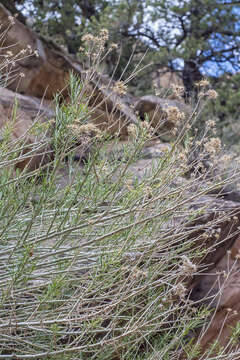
(82, 272)
(225, 108)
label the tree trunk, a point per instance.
(191, 75)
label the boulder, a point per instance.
(217, 284)
(164, 79)
(21, 126)
(42, 69)
(33, 106)
(220, 289)
(164, 115)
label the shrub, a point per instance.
(99, 269)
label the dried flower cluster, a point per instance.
(182, 157)
(104, 35)
(180, 290)
(113, 46)
(96, 44)
(187, 267)
(175, 115)
(210, 124)
(132, 131)
(86, 130)
(89, 38)
(11, 58)
(178, 91)
(138, 273)
(213, 146)
(11, 20)
(147, 128)
(119, 88)
(212, 94)
(225, 159)
(203, 83)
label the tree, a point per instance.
(196, 34)
(187, 36)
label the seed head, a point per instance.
(212, 94)
(11, 20)
(210, 124)
(180, 290)
(187, 267)
(120, 88)
(113, 46)
(174, 114)
(88, 38)
(132, 131)
(104, 35)
(213, 146)
(203, 83)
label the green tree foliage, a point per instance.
(225, 109)
(228, 101)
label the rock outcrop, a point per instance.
(164, 79)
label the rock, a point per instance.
(22, 126)
(219, 285)
(228, 192)
(48, 73)
(33, 106)
(164, 79)
(221, 327)
(42, 73)
(139, 168)
(110, 122)
(156, 110)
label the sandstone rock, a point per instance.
(110, 122)
(219, 285)
(48, 74)
(164, 79)
(33, 106)
(156, 110)
(18, 126)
